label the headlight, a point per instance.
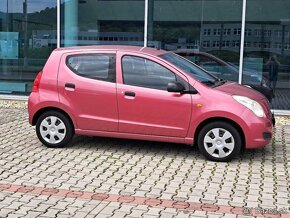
(251, 104)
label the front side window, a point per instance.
(142, 72)
(99, 66)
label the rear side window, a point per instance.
(94, 66)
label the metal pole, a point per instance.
(58, 40)
(242, 41)
(7, 17)
(146, 24)
(25, 33)
(201, 26)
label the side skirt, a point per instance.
(135, 136)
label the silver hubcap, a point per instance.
(52, 129)
(219, 142)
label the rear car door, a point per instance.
(145, 106)
(87, 86)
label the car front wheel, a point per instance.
(219, 141)
(54, 129)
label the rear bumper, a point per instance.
(32, 102)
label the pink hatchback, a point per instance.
(144, 93)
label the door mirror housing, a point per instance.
(178, 87)
(175, 87)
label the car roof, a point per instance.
(138, 49)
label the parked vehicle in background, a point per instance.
(229, 71)
(147, 94)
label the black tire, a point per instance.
(219, 141)
(54, 129)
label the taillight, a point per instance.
(36, 83)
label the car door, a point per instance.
(145, 106)
(87, 86)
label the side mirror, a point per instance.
(175, 87)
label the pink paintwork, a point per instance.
(101, 108)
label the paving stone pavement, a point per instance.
(104, 177)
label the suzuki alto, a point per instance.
(147, 94)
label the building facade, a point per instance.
(246, 35)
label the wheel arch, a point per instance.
(43, 110)
(221, 119)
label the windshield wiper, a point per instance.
(220, 82)
(208, 82)
(215, 83)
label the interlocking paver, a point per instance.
(5, 212)
(258, 178)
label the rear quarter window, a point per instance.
(93, 66)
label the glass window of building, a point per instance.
(267, 58)
(98, 22)
(27, 36)
(227, 32)
(191, 28)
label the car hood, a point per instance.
(233, 88)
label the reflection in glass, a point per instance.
(268, 47)
(27, 36)
(187, 26)
(96, 22)
(203, 31)
(208, 33)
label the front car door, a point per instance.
(145, 106)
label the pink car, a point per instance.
(148, 94)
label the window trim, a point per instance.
(111, 70)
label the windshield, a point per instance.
(191, 69)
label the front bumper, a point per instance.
(258, 131)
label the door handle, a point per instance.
(70, 85)
(131, 94)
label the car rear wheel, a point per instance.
(54, 129)
(219, 141)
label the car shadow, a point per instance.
(133, 146)
(161, 148)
